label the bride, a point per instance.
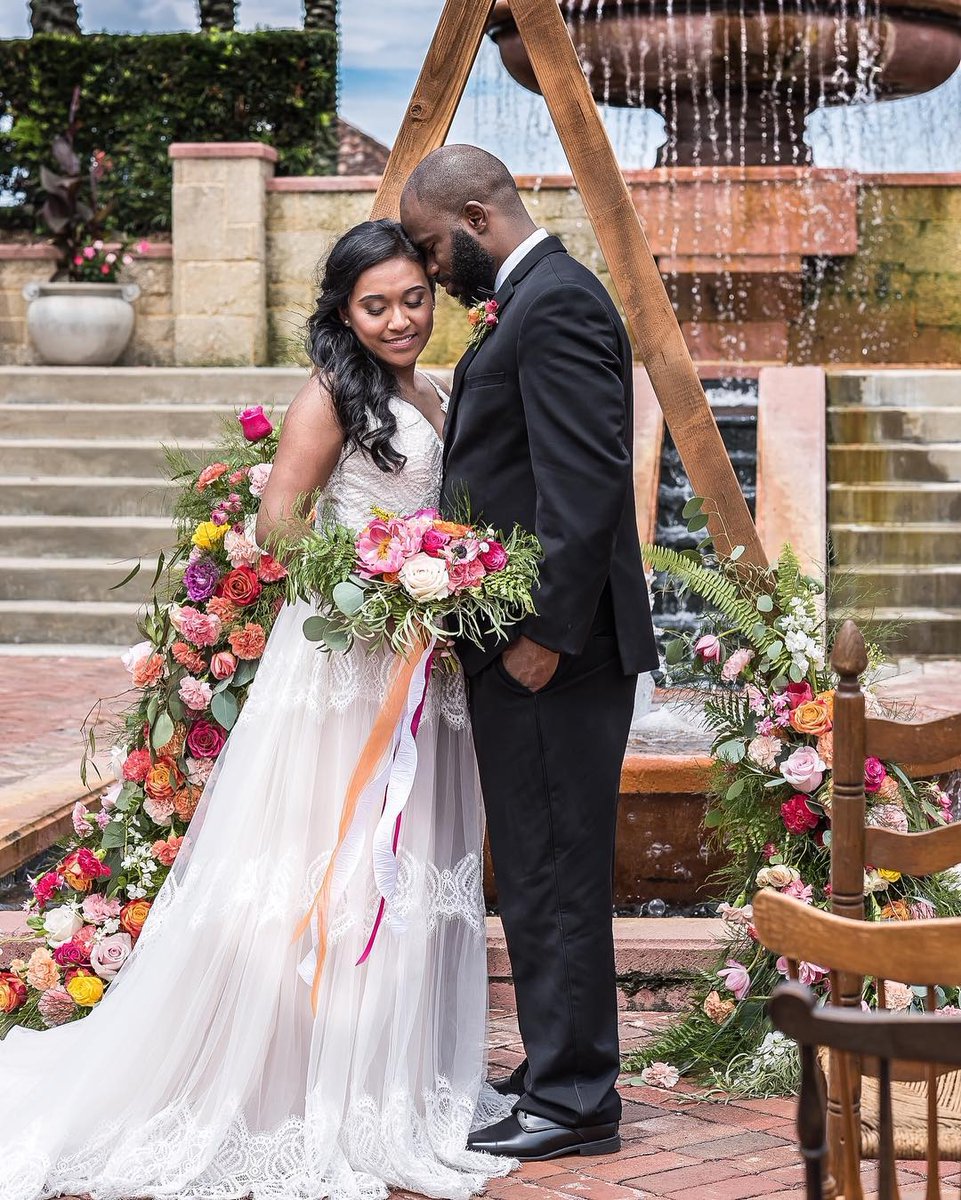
(203, 1074)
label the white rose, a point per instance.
(778, 876)
(425, 578)
(60, 924)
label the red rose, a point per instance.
(434, 541)
(796, 815)
(874, 774)
(240, 586)
(72, 953)
(205, 739)
(254, 423)
(13, 992)
(136, 766)
(494, 557)
(798, 693)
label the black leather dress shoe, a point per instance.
(531, 1138)
(510, 1085)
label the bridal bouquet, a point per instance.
(404, 580)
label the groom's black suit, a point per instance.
(539, 433)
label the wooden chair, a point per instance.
(919, 1115)
(876, 1036)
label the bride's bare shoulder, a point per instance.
(313, 404)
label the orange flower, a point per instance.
(148, 671)
(248, 642)
(827, 699)
(186, 801)
(163, 780)
(210, 475)
(220, 606)
(897, 910)
(133, 916)
(826, 748)
(452, 528)
(811, 718)
(188, 657)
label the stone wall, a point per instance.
(152, 342)
(763, 264)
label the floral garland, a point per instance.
(192, 671)
(759, 660)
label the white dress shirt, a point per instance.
(517, 255)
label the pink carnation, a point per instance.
(97, 908)
(257, 478)
(240, 551)
(195, 693)
(56, 1007)
(736, 664)
(46, 887)
(203, 629)
(80, 819)
(465, 573)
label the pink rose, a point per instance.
(73, 953)
(494, 557)
(222, 665)
(804, 769)
(205, 739)
(796, 815)
(97, 908)
(874, 774)
(708, 648)
(434, 541)
(254, 423)
(736, 978)
(108, 956)
(466, 573)
(798, 693)
(195, 693)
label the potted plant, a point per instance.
(84, 316)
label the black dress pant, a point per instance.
(550, 765)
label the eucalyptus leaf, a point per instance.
(161, 731)
(315, 628)
(153, 707)
(712, 818)
(337, 639)
(675, 651)
(736, 553)
(175, 707)
(796, 673)
(736, 788)
(697, 523)
(245, 672)
(224, 709)
(692, 507)
(348, 597)
(764, 604)
(731, 751)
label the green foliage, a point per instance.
(139, 94)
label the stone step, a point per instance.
(897, 389)
(862, 462)
(112, 538)
(905, 587)
(935, 631)
(892, 503)
(168, 423)
(888, 545)
(238, 387)
(78, 456)
(105, 623)
(866, 423)
(81, 496)
(74, 579)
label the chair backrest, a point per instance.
(916, 953)
(878, 1036)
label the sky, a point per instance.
(383, 43)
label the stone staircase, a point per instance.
(894, 504)
(82, 492)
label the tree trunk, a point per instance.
(54, 16)
(320, 15)
(217, 14)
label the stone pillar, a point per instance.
(219, 252)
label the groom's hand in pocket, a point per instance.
(533, 666)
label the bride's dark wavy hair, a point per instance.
(359, 383)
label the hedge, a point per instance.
(140, 93)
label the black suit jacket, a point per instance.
(540, 433)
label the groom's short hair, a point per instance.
(450, 177)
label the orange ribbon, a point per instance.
(376, 746)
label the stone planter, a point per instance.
(80, 324)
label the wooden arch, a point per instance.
(653, 325)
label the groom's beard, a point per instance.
(472, 270)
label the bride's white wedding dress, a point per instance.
(202, 1074)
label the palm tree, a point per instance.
(320, 14)
(217, 14)
(54, 16)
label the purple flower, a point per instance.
(201, 579)
(736, 978)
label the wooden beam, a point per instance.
(435, 98)
(651, 318)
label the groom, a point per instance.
(539, 433)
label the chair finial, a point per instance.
(849, 657)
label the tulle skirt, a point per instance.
(203, 1074)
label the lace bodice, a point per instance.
(356, 483)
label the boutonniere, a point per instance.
(483, 318)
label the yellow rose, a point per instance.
(208, 534)
(812, 718)
(86, 990)
(890, 876)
